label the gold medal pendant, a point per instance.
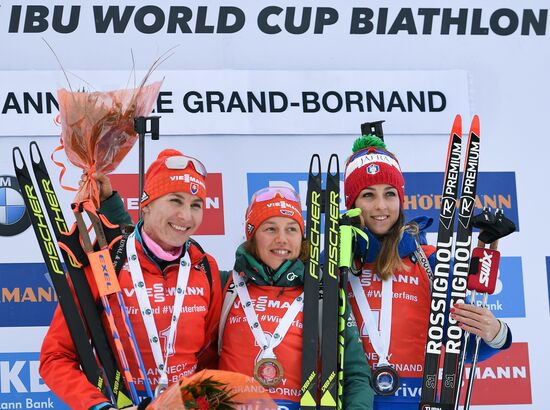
(268, 372)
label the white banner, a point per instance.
(254, 102)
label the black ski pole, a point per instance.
(140, 125)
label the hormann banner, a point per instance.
(253, 102)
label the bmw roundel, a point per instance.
(13, 213)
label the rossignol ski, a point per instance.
(80, 284)
(67, 303)
(329, 338)
(310, 338)
(446, 284)
(463, 241)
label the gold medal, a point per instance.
(268, 372)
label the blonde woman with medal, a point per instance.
(262, 312)
(390, 296)
(175, 330)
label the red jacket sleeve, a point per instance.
(208, 356)
(60, 368)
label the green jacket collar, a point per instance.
(290, 273)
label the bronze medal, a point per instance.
(268, 372)
(385, 380)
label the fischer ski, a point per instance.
(310, 338)
(444, 282)
(64, 293)
(329, 339)
(81, 286)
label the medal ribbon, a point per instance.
(147, 311)
(252, 318)
(380, 339)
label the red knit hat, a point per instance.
(174, 172)
(371, 164)
(279, 201)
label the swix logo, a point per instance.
(213, 218)
(494, 189)
(485, 270)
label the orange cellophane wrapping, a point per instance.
(97, 128)
(248, 392)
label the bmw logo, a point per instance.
(13, 213)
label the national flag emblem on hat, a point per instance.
(373, 169)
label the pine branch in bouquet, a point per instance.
(207, 394)
(214, 389)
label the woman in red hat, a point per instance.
(261, 322)
(391, 297)
(174, 329)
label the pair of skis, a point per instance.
(447, 286)
(322, 368)
(83, 319)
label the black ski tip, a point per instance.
(315, 162)
(333, 162)
(18, 159)
(35, 150)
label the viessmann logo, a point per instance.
(503, 379)
(13, 214)
(27, 298)
(213, 219)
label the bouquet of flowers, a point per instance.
(214, 389)
(97, 128)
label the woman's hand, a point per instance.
(103, 184)
(477, 320)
